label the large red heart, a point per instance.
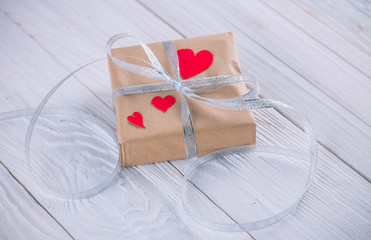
(136, 119)
(163, 103)
(191, 64)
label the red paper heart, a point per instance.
(191, 64)
(163, 103)
(136, 119)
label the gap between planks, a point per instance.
(314, 39)
(35, 199)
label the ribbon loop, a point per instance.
(173, 58)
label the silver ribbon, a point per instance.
(248, 101)
(190, 89)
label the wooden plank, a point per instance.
(21, 217)
(309, 23)
(349, 19)
(122, 219)
(264, 53)
(324, 69)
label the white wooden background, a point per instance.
(313, 54)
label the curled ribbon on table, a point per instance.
(190, 89)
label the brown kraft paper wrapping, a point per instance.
(163, 139)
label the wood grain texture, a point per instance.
(315, 28)
(143, 202)
(349, 19)
(21, 217)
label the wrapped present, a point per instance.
(149, 126)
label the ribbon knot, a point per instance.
(178, 87)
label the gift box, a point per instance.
(161, 138)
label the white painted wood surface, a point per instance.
(21, 216)
(304, 53)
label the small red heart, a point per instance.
(163, 103)
(136, 119)
(191, 64)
